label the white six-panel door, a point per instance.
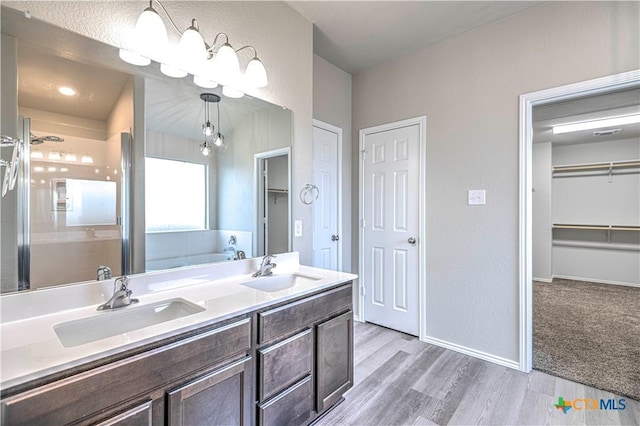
(391, 174)
(325, 208)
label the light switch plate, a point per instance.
(477, 197)
(298, 228)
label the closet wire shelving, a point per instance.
(610, 166)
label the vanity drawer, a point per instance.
(284, 363)
(81, 395)
(302, 313)
(291, 407)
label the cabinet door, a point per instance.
(222, 397)
(334, 359)
(136, 416)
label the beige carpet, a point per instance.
(588, 333)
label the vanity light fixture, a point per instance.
(70, 157)
(210, 64)
(86, 159)
(54, 155)
(596, 124)
(37, 154)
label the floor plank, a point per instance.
(400, 380)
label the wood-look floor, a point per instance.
(400, 380)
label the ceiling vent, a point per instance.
(608, 132)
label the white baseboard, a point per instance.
(543, 280)
(473, 352)
(357, 318)
(592, 280)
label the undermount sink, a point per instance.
(130, 318)
(279, 282)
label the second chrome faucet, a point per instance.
(265, 267)
(121, 295)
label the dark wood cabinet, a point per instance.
(334, 359)
(222, 397)
(140, 415)
(284, 364)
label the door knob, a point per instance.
(335, 238)
(412, 241)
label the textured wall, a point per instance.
(282, 37)
(468, 87)
(332, 104)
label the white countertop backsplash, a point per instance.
(30, 348)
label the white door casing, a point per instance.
(326, 209)
(392, 225)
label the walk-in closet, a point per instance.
(586, 240)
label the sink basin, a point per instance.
(112, 323)
(279, 282)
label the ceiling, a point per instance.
(610, 104)
(354, 35)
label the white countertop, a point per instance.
(30, 348)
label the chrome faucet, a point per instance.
(265, 267)
(121, 296)
(104, 273)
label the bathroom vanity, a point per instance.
(233, 350)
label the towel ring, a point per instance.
(307, 194)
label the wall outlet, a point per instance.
(298, 228)
(476, 197)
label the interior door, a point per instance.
(391, 225)
(325, 208)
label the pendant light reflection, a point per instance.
(208, 129)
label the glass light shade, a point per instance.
(219, 140)
(151, 35)
(53, 155)
(87, 159)
(133, 58)
(227, 65)
(192, 52)
(70, 157)
(205, 149)
(207, 129)
(232, 92)
(172, 71)
(256, 75)
(37, 154)
(204, 82)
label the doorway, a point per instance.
(527, 103)
(392, 226)
(273, 206)
(327, 226)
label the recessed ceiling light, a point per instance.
(67, 91)
(597, 124)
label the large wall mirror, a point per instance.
(130, 140)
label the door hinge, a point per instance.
(363, 290)
(364, 154)
(362, 223)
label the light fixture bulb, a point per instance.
(87, 159)
(37, 154)
(232, 92)
(207, 129)
(133, 58)
(70, 157)
(54, 155)
(596, 124)
(218, 140)
(67, 91)
(227, 64)
(205, 149)
(151, 35)
(255, 74)
(192, 52)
